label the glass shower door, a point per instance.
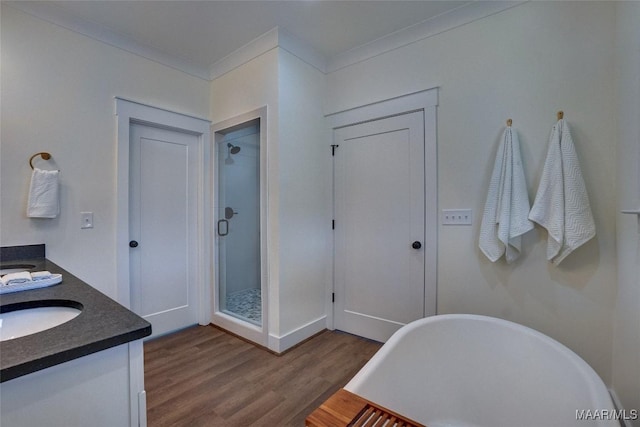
(237, 208)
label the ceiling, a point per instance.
(203, 33)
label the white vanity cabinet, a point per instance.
(103, 389)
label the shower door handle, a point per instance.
(226, 228)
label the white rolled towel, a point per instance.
(40, 275)
(15, 278)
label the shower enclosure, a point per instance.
(239, 294)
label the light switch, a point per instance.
(86, 219)
(457, 216)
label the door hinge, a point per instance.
(333, 297)
(333, 149)
(333, 224)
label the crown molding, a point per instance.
(279, 37)
(438, 24)
(302, 50)
(276, 37)
(246, 53)
(55, 15)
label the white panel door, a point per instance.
(379, 225)
(163, 227)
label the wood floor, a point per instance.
(203, 376)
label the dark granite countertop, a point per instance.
(102, 324)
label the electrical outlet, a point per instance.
(457, 216)
(86, 219)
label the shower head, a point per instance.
(233, 149)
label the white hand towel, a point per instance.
(43, 194)
(505, 212)
(13, 278)
(562, 205)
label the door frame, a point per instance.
(427, 102)
(130, 112)
(254, 333)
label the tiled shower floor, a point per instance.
(246, 304)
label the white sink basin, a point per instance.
(18, 323)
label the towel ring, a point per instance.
(45, 156)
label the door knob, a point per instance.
(133, 244)
(416, 245)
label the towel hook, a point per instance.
(45, 156)
(509, 122)
(560, 115)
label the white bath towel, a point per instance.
(507, 206)
(43, 194)
(14, 278)
(562, 205)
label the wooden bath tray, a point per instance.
(345, 409)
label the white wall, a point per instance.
(305, 195)
(58, 91)
(626, 344)
(524, 63)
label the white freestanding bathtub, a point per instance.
(467, 370)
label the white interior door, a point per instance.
(379, 225)
(163, 227)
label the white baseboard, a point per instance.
(288, 340)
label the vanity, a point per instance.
(88, 370)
